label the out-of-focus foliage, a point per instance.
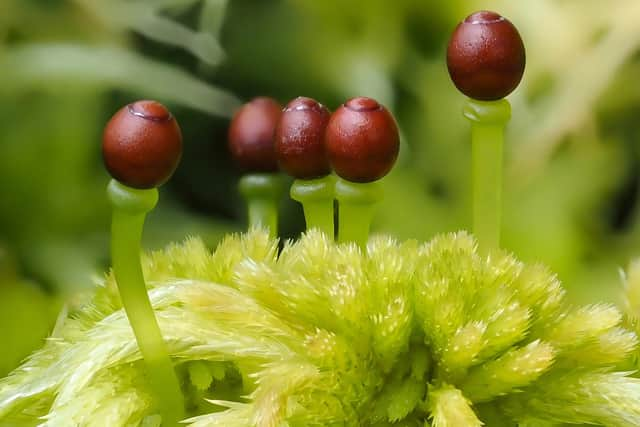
(26, 313)
(571, 168)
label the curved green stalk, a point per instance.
(316, 197)
(130, 207)
(356, 207)
(262, 192)
(488, 120)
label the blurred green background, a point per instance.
(572, 167)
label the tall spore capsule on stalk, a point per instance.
(251, 143)
(362, 142)
(486, 60)
(141, 147)
(300, 149)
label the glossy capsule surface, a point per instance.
(251, 135)
(142, 145)
(486, 56)
(362, 140)
(299, 139)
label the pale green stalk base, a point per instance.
(488, 120)
(262, 192)
(356, 207)
(130, 207)
(316, 197)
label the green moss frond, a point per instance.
(116, 394)
(237, 415)
(449, 408)
(578, 326)
(579, 397)
(513, 370)
(324, 334)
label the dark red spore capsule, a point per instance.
(362, 140)
(299, 139)
(486, 56)
(142, 145)
(251, 135)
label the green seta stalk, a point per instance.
(488, 120)
(130, 207)
(316, 197)
(300, 149)
(486, 60)
(362, 143)
(356, 208)
(262, 193)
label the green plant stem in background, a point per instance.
(488, 120)
(262, 192)
(356, 207)
(130, 207)
(316, 197)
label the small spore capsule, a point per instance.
(251, 135)
(362, 140)
(486, 56)
(142, 145)
(299, 139)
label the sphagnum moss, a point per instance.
(325, 334)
